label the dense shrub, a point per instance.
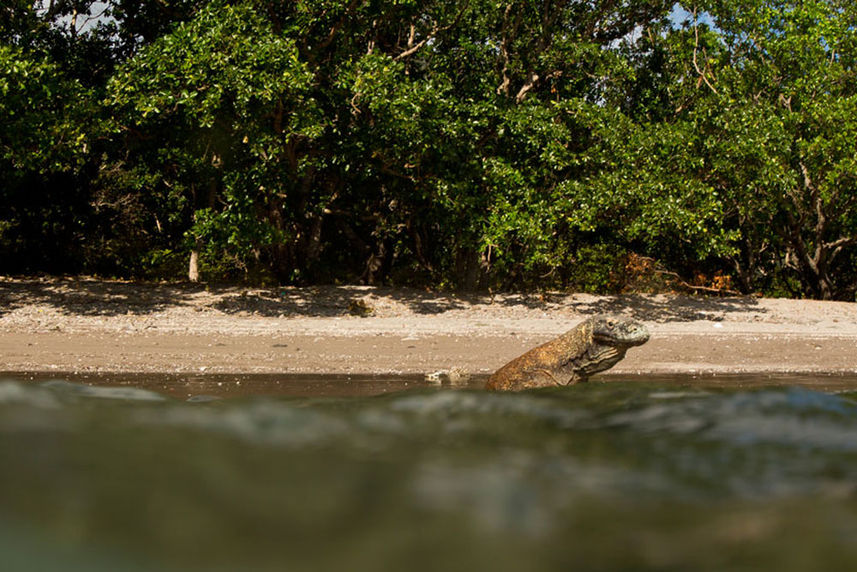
(462, 144)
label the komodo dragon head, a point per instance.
(618, 331)
(610, 339)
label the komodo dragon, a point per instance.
(594, 345)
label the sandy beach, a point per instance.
(107, 326)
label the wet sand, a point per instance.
(55, 325)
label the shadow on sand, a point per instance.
(93, 297)
(109, 298)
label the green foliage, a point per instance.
(464, 144)
(42, 116)
(225, 102)
(779, 132)
(46, 130)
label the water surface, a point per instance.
(180, 473)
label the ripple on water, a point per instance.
(525, 476)
(102, 392)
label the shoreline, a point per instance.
(677, 354)
(57, 325)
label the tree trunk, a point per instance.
(193, 267)
(379, 263)
(470, 269)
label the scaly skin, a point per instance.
(594, 345)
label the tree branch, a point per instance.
(694, 288)
(503, 88)
(528, 85)
(840, 242)
(701, 73)
(436, 29)
(820, 216)
(549, 18)
(336, 27)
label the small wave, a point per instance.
(794, 416)
(260, 422)
(13, 392)
(102, 392)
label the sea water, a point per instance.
(388, 474)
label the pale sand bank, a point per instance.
(57, 325)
